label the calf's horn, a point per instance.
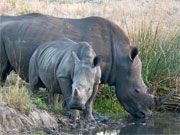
(76, 93)
(160, 100)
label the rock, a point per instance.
(15, 122)
(9, 120)
(41, 118)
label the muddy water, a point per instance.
(160, 123)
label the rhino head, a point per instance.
(132, 92)
(86, 73)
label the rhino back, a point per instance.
(25, 36)
(11, 19)
(20, 42)
(52, 59)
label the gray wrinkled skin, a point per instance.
(68, 68)
(120, 67)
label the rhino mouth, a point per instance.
(140, 114)
(79, 107)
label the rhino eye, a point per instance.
(136, 90)
(89, 89)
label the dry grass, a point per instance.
(16, 95)
(166, 12)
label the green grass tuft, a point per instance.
(106, 101)
(159, 52)
(40, 104)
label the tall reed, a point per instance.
(159, 51)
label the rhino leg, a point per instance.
(55, 101)
(34, 82)
(5, 67)
(89, 106)
(50, 97)
(66, 88)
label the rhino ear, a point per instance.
(75, 57)
(97, 61)
(133, 51)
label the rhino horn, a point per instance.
(160, 100)
(150, 90)
(76, 93)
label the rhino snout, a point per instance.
(143, 114)
(79, 107)
(74, 105)
(77, 101)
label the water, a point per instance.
(160, 123)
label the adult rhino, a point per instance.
(121, 66)
(67, 68)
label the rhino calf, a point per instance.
(69, 68)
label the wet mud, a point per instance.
(68, 126)
(159, 123)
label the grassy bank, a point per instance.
(154, 28)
